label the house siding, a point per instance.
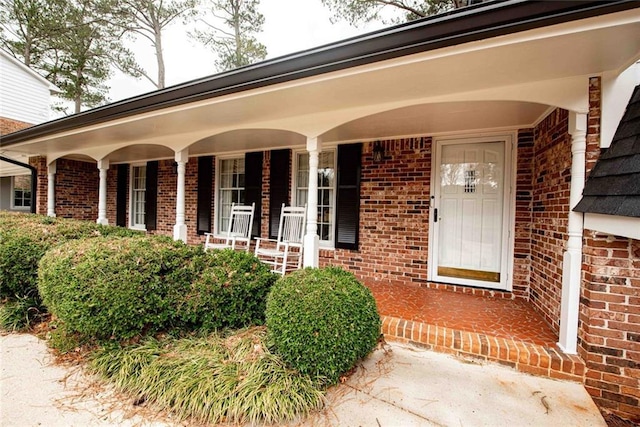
(29, 94)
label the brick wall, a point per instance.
(523, 214)
(77, 189)
(593, 123)
(609, 332)
(394, 215)
(10, 125)
(551, 185)
(40, 163)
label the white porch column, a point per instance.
(180, 229)
(572, 260)
(51, 189)
(103, 167)
(311, 239)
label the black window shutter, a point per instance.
(348, 196)
(121, 195)
(151, 196)
(205, 184)
(278, 188)
(253, 186)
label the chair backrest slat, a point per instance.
(292, 224)
(240, 221)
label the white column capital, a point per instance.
(577, 123)
(313, 144)
(103, 164)
(52, 167)
(182, 156)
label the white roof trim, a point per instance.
(624, 226)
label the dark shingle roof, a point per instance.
(613, 187)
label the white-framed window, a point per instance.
(21, 192)
(326, 191)
(138, 196)
(231, 189)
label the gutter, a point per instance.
(34, 179)
(473, 23)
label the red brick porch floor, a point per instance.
(503, 330)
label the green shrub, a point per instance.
(229, 289)
(25, 238)
(114, 287)
(322, 321)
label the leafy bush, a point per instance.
(115, 287)
(212, 379)
(229, 290)
(322, 321)
(25, 238)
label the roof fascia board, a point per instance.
(457, 27)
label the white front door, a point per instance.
(470, 211)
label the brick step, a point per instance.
(535, 359)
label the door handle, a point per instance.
(435, 215)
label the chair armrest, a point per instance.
(261, 239)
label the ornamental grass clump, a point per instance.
(322, 321)
(210, 378)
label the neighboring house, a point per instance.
(24, 101)
(449, 150)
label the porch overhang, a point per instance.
(512, 56)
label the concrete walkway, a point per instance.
(397, 386)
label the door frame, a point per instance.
(508, 208)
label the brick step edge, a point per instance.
(525, 357)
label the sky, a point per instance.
(290, 26)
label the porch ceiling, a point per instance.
(424, 93)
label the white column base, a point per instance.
(570, 308)
(180, 232)
(310, 256)
(102, 221)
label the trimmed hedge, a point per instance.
(118, 288)
(114, 287)
(322, 321)
(229, 290)
(25, 238)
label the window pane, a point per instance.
(231, 189)
(139, 195)
(326, 182)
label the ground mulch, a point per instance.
(613, 420)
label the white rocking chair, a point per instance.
(285, 253)
(239, 231)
